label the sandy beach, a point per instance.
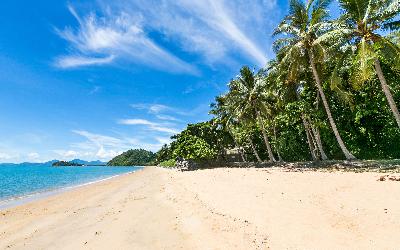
(213, 209)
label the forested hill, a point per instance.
(133, 157)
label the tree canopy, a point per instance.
(133, 157)
(332, 92)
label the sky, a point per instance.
(90, 79)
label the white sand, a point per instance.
(213, 209)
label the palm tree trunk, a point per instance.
(270, 154)
(317, 133)
(386, 90)
(237, 146)
(254, 150)
(242, 154)
(276, 142)
(345, 151)
(310, 144)
(317, 136)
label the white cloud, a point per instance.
(5, 156)
(33, 156)
(152, 108)
(168, 118)
(160, 110)
(107, 154)
(79, 61)
(217, 30)
(100, 140)
(116, 36)
(67, 154)
(105, 147)
(150, 125)
(213, 31)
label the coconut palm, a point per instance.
(288, 91)
(249, 100)
(362, 24)
(241, 130)
(304, 24)
(224, 117)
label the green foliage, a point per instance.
(168, 163)
(164, 154)
(287, 96)
(193, 148)
(133, 157)
(200, 141)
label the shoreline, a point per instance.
(36, 196)
(158, 208)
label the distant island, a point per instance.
(77, 163)
(66, 163)
(134, 157)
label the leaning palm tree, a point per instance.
(304, 24)
(287, 90)
(249, 101)
(362, 25)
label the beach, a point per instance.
(271, 208)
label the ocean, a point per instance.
(19, 183)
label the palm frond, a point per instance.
(364, 64)
(338, 33)
(389, 52)
(336, 84)
(386, 10)
(355, 8)
(391, 25)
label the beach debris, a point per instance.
(383, 178)
(390, 178)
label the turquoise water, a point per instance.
(17, 181)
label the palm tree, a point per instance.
(288, 90)
(304, 24)
(240, 130)
(363, 24)
(223, 116)
(249, 100)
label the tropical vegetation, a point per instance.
(331, 92)
(133, 157)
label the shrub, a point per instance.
(168, 163)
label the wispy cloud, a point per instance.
(150, 125)
(100, 140)
(161, 111)
(168, 118)
(217, 30)
(214, 31)
(152, 108)
(102, 40)
(105, 147)
(78, 61)
(94, 90)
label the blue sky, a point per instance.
(90, 79)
